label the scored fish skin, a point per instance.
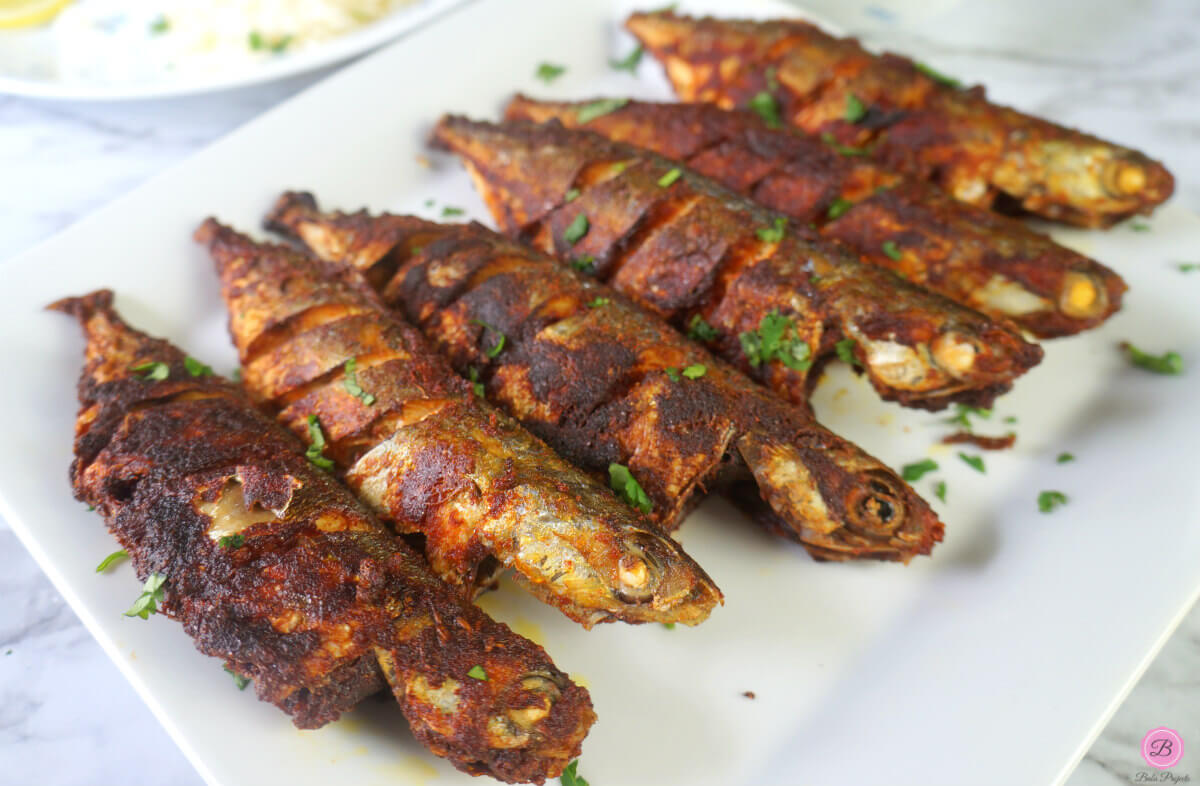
(982, 153)
(604, 382)
(694, 248)
(431, 458)
(319, 604)
(985, 261)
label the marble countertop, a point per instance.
(1128, 71)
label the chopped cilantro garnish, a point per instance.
(695, 371)
(1139, 226)
(548, 72)
(476, 385)
(571, 195)
(196, 368)
(350, 383)
(625, 484)
(889, 247)
(256, 40)
(600, 301)
(974, 462)
(670, 177)
(585, 264)
(231, 541)
(152, 595)
(589, 112)
(845, 351)
(154, 371)
(111, 560)
(939, 490)
(845, 150)
(281, 44)
(477, 673)
(766, 107)
(160, 25)
(449, 211)
(937, 76)
(839, 208)
(1049, 500)
(672, 373)
(917, 470)
(699, 330)
(771, 342)
(629, 62)
(855, 110)
(773, 233)
(316, 446)
(238, 680)
(669, 625)
(576, 229)
(964, 414)
(1187, 267)
(1065, 458)
(236, 375)
(1167, 363)
(496, 348)
(571, 777)
(1010, 419)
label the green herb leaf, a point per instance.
(477, 673)
(576, 229)
(160, 25)
(196, 368)
(845, 150)
(937, 76)
(1065, 458)
(629, 62)
(699, 330)
(766, 107)
(1010, 419)
(112, 559)
(1139, 226)
(236, 376)
(152, 595)
(625, 484)
(939, 490)
(154, 371)
(281, 44)
(974, 462)
(548, 72)
(839, 208)
(855, 110)
(670, 177)
(771, 342)
(889, 247)
(571, 777)
(585, 264)
(428, 203)
(316, 446)
(1049, 500)
(589, 112)
(238, 680)
(450, 211)
(1187, 267)
(672, 373)
(773, 233)
(962, 416)
(1167, 363)
(235, 541)
(845, 351)
(350, 383)
(695, 371)
(476, 385)
(600, 301)
(496, 348)
(256, 41)
(571, 195)
(669, 625)
(917, 470)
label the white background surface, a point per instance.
(66, 716)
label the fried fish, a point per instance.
(778, 297)
(905, 116)
(275, 568)
(991, 263)
(617, 390)
(377, 403)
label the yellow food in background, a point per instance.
(27, 13)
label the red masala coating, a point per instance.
(913, 120)
(605, 382)
(983, 260)
(319, 604)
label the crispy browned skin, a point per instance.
(985, 261)
(605, 382)
(431, 457)
(319, 604)
(981, 153)
(695, 248)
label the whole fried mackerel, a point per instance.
(777, 298)
(983, 260)
(430, 457)
(275, 568)
(617, 390)
(905, 116)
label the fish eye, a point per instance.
(877, 507)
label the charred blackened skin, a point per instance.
(994, 264)
(605, 382)
(912, 120)
(694, 250)
(318, 603)
(431, 457)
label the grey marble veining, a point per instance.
(1129, 71)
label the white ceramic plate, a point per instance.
(28, 62)
(994, 661)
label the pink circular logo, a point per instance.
(1162, 748)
